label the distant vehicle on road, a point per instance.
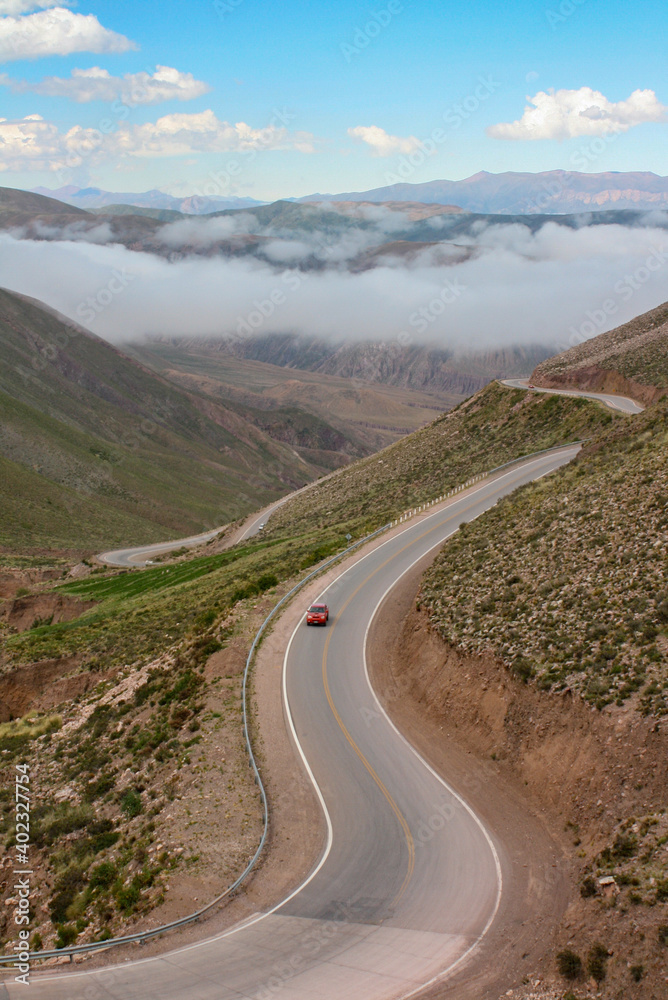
(261, 526)
(317, 614)
(530, 386)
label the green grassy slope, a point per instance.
(146, 458)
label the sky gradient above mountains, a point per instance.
(225, 99)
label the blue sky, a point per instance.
(331, 97)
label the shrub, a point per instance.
(569, 964)
(103, 875)
(623, 848)
(102, 835)
(662, 890)
(131, 803)
(588, 887)
(596, 961)
(94, 789)
(637, 972)
(206, 619)
(67, 935)
(127, 897)
(185, 688)
(180, 714)
(662, 934)
(523, 669)
(66, 887)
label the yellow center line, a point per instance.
(410, 843)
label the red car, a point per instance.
(317, 614)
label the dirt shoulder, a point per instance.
(593, 378)
(556, 782)
(536, 869)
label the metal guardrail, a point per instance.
(477, 478)
(142, 936)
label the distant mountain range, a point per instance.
(91, 198)
(551, 192)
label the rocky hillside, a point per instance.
(565, 580)
(368, 415)
(419, 368)
(631, 360)
(542, 629)
(496, 425)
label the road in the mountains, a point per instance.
(622, 403)
(141, 555)
(385, 911)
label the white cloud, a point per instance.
(35, 144)
(179, 134)
(203, 232)
(14, 7)
(97, 84)
(31, 144)
(383, 144)
(55, 32)
(566, 114)
(511, 292)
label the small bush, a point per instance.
(127, 898)
(95, 789)
(597, 961)
(637, 972)
(662, 891)
(569, 964)
(131, 803)
(180, 715)
(662, 934)
(67, 935)
(185, 688)
(523, 669)
(67, 886)
(103, 875)
(588, 887)
(206, 619)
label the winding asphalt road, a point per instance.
(410, 879)
(142, 555)
(623, 403)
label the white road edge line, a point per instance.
(467, 807)
(452, 502)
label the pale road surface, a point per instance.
(142, 555)
(623, 403)
(410, 880)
